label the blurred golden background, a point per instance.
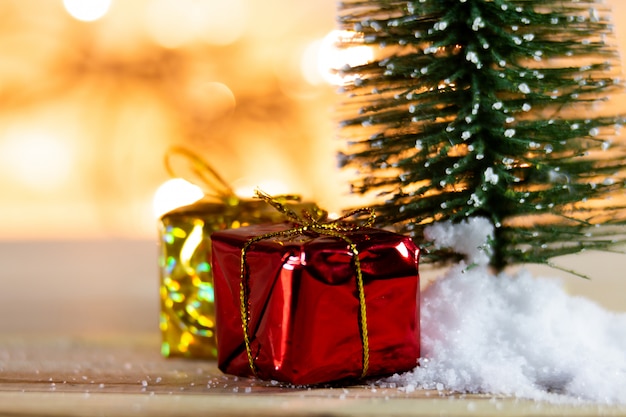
(94, 92)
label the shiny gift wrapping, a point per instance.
(303, 304)
(187, 317)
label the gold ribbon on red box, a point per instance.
(316, 224)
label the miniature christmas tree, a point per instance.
(489, 108)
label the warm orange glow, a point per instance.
(216, 99)
(271, 187)
(221, 22)
(174, 23)
(87, 10)
(37, 159)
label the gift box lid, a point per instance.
(381, 253)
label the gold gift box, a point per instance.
(187, 316)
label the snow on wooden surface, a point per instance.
(514, 335)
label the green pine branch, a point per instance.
(490, 108)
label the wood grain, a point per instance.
(124, 374)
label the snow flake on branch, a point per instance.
(472, 57)
(490, 176)
(440, 26)
(474, 200)
(478, 24)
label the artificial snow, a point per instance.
(513, 335)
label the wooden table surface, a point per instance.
(79, 337)
(117, 376)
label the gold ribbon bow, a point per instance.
(335, 228)
(200, 173)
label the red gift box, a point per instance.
(303, 306)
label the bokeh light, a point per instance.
(175, 193)
(87, 10)
(323, 58)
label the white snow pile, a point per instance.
(517, 336)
